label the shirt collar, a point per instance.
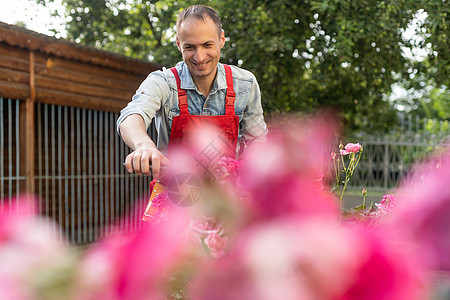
(187, 83)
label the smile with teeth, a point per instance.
(200, 65)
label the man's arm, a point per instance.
(134, 134)
(253, 127)
(134, 120)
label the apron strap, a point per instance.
(182, 97)
(231, 95)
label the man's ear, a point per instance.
(178, 45)
(222, 39)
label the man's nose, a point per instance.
(200, 55)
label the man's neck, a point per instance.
(204, 85)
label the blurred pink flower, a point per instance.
(135, 266)
(352, 147)
(388, 203)
(216, 245)
(226, 166)
(383, 270)
(13, 289)
(423, 211)
(224, 279)
(32, 259)
(308, 258)
(281, 174)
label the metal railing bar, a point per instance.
(68, 216)
(118, 181)
(101, 170)
(39, 154)
(72, 169)
(13, 178)
(95, 171)
(10, 150)
(47, 163)
(78, 185)
(61, 204)
(112, 182)
(53, 160)
(84, 154)
(89, 170)
(108, 156)
(2, 144)
(17, 137)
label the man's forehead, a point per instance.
(197, 26)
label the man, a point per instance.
(209, 95)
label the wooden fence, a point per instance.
(59, 102)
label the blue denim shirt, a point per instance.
(157, 98)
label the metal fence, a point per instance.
(10, 177)
(388, 158)
(79, 178)
(385, 163)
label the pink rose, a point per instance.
(344, 152)
(351, 147)
(216, 244)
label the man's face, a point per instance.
(200, 44)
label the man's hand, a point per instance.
(143, 158)
(145, 155)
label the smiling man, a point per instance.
(197, 90)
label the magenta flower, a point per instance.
(134, 266)
(382, 270)
(281, 174)
(424, 208)
(307, 258)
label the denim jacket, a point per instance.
(157, 98)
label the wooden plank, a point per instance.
(26, 110)
(73, 76)
(15, 52)
(32, 78)
(50, 96)
(13, 76)
(82, 89)
(52, 62)
(14, 90)
(13, 63)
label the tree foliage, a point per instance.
(342, 54)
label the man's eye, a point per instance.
(208, 45)
(187, 47)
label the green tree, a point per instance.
(342, 54)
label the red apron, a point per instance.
(185, 122)
(228, 123)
